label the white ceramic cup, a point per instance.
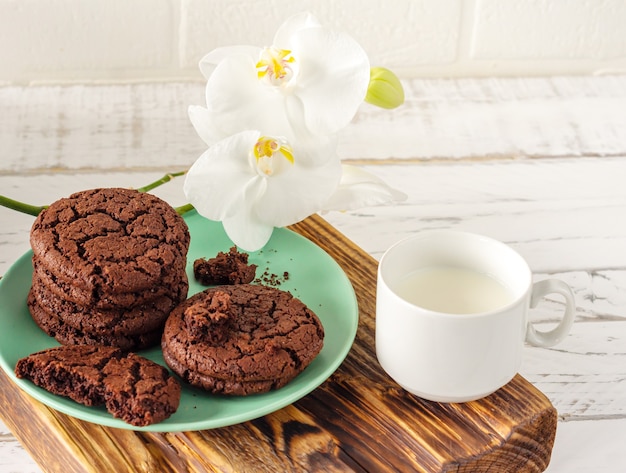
(452, 357)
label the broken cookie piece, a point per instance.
(131, 387)
(225, 268)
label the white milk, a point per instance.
(453, 290)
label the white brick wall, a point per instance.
(137, 40)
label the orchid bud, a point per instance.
(385, 89)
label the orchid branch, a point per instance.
(183, 209)
(28, 209)
(35, 210)
(166, 178)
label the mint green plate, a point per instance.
(314, 277)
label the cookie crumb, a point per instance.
(272, 279)
(225, 268)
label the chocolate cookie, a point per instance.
(225, 268)
(253, 339)
(225, 386)
(68, 335)
(138, 319)
(175, 286)
(132, 388)
(110, 241)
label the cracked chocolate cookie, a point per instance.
(110, 241)
(134, 319)
(132, 388)
(174, 282)
(241, 339)
(65, 334)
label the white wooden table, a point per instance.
(537, 163)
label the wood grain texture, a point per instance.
(359, 420)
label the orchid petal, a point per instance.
(210, 61)
(318, 151)
(359, 188)
(202, 121)
(333, 78)
(291, 26)
(214, 183)
(247, 232)
(299, 193)
(236, 97)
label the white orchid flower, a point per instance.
(359, 188)
(253, 183)
(310, 81)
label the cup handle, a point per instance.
(541, 289)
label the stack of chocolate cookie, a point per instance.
(108, 267)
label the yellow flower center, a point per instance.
(275, 65)
(267, 150)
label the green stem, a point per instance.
(183, 209)
(21, 206)
(35, 209)
(167, 178)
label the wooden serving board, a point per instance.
(359, 420)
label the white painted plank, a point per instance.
(561, 214)
(585, 375)
(105, 127)
(146, 125)
(559, 116)
(589, 447)
(13, 457)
